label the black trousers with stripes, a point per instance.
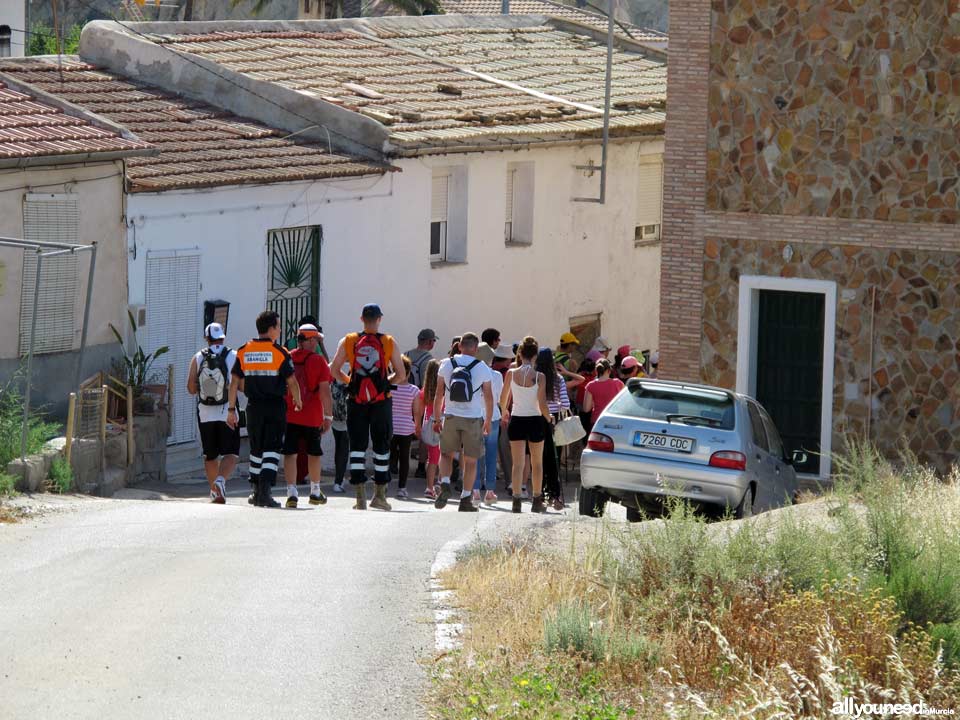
(266, 423)
(370, 424)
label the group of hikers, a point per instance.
(484, 404)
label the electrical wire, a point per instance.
(31, 186)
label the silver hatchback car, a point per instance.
(716, 448)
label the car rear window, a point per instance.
(687, 406)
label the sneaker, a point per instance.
(361, 503)
(441, 502)
(252, 498)
(420, 472)
(490, 497)
(402, 493)
(217, 497)
(517, 506)
(430, 494)
(338, 488)
(558, 504)
(525, 495)
(318, 499)
(467, 506)
(291, 501)
(475, 498)
(538, 506)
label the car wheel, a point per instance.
(745, 508)
(592, 502)
(635, 515)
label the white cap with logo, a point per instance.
(214, 331)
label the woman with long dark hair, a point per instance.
(558, 400)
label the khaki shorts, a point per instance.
(462, 433)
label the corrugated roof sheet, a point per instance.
(29, 129)
(583, 16)
(412, 78)
(200, 146)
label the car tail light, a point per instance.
(600, 442)
(729, 460)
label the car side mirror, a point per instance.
(798, 457)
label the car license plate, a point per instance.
(663, 442)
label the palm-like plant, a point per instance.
(137, 366)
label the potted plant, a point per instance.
(136, 368)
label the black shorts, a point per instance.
(531, 429)
(297, 433)
(218, 440)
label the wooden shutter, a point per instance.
(439, 198)
(50, 218)
(649, 193)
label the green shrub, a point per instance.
(8, 485)
(11, 423)
(570, 629)
(43, 41)
(61, 475)
(949, 635)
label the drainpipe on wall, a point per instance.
(504, 7)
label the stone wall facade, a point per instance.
(913, 398)
(839, 108)
(909, 262)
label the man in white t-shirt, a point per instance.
(209, 380)
(464, 401)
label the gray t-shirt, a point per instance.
(418, 362)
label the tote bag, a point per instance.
(568, 430)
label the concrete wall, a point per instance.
(100, 191)
(376, 249)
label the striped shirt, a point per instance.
(402, 399)
(560, 399)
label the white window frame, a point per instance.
(519, 215)
(511, 196)
(748, 318)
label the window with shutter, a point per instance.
(439, 205)
(649, 201)
(508, 219)
(50, 218)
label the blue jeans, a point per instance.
(487, 465)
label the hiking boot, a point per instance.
(441, 502)
(253, 498)
(266, 495)
(538, 505)
(467, 506)
(292, 501)
(517, 506)
(318, 499)
(379, 501)
(361, 503)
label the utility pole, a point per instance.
(56, 27)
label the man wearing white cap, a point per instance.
(209, 380)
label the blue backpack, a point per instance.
(461, 382)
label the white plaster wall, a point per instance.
(375, 249)
(99, 188)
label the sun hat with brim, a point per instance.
(594, 355)
(601, 345)
(485, 353)
(503, 352)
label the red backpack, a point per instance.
(368, 370)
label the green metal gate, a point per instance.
(294, 262)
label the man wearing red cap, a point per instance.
(306, 425)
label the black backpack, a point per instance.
(461, 382)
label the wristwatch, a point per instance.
(231, 409)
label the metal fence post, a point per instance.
(103, 415)
(86, 316)
(71, 421)
(130, 448)
(33, 332)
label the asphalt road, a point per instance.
(182, 609)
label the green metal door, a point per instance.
(294, 287)
(790, 368)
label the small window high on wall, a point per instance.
(6, 48)
(448, 215)
(649, 200)
(50, 218)
(518, 219)
(439, 207)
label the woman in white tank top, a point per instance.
(528, 420)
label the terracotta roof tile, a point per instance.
(200, 146)
(30, 128)
(412, 80)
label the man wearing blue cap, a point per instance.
(375, 365)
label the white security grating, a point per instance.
(173, 319)
(439, 197)
(50, 218)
